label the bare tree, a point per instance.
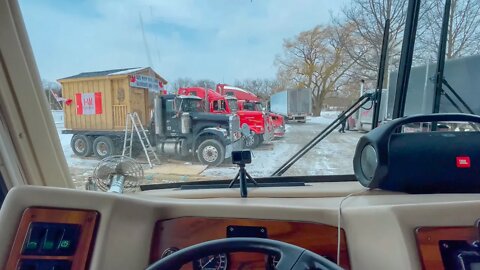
(368, 18)
(260, 87)
(206, 83)
(189, 82)
(463, 37)
(180, 83)
(318, 59)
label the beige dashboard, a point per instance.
(379, 226)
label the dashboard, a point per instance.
(174, 234)
(379, 230)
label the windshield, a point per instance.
(259, 106)
(192, 105)
(232, 104)
(308, 62)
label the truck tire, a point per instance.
(103, 147)
(251, 141)
(211, 152)
(81, 145)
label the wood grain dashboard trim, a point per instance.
(187, 231)
(86, 219)
(428, 243)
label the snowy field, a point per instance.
(331, 156)
(80, 168)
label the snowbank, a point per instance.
(326, 118)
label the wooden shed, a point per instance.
(100, 100)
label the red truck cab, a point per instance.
(229, 105)
(248, 101)
(216, 102)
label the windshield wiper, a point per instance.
(275, 181)
(322, 135)
(440, 80)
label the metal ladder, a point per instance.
(134, 125)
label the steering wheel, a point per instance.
(291, 257)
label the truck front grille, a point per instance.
(234, 127)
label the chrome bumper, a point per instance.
(279, 131)
(268, 135)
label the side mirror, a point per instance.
(178, 114)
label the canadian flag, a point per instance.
(57, 98)
(89, 103)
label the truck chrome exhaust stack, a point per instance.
(157, 112)
(186, 123)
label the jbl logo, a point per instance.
(463, 162)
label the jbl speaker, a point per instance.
(420, 162)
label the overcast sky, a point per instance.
(222, 40)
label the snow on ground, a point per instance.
(265, 159)
(326, 118)
(72, 159)
(332, 156)
(80, 168)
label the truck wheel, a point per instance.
(103, 147)
(81, 145)
(211, 152)
(251, 142)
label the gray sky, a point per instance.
(222, 40)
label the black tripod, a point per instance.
(242, 176)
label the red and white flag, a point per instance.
(57, 98)
(89, 103)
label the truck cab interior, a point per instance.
(304, 222)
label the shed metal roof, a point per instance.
(103, 73)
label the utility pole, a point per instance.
(147, 50)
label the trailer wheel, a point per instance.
(211, 152)
(103, 147)
(251, 142)
(81, 145)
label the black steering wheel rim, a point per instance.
(291, 257)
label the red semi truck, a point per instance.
(250, 102)
(255, 120)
